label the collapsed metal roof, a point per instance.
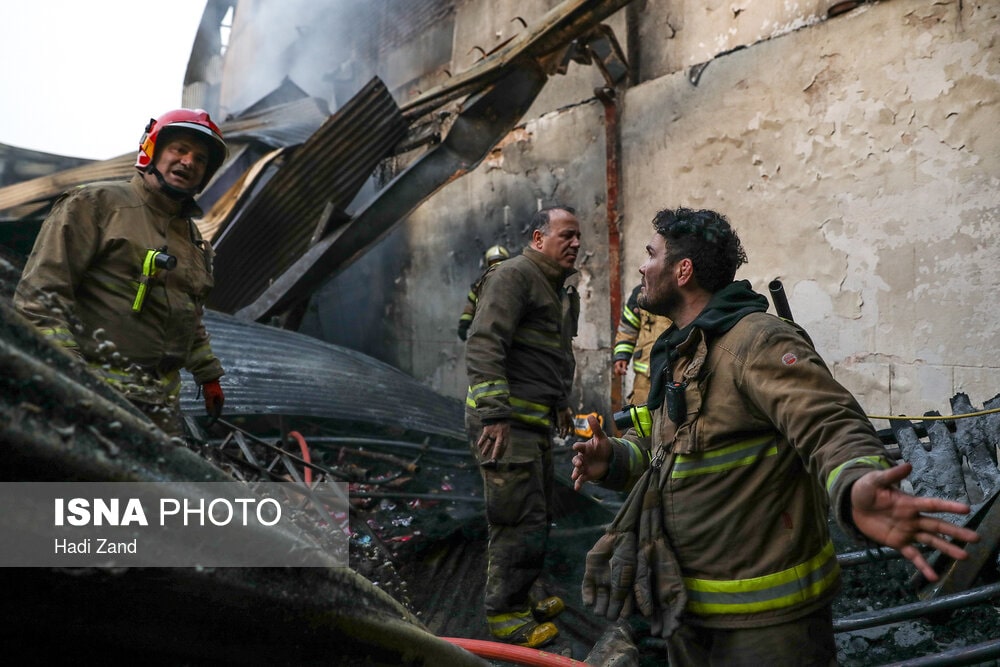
(279, 219)
(277, 226)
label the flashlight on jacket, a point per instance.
(162, 260)
(634, 416)
(154, 261)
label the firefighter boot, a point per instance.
(521, 629)
(547, 609)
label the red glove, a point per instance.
(214, 398)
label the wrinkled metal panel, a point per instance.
(487, 117)
(272, 371)
(288, 124)
(275, 228)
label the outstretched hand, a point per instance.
(590, 463)
(896, 519)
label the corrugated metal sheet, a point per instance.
(272, 371)
(487, 117)
(288, 124)
(275, 228)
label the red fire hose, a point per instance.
(307, 473)
(519, 655)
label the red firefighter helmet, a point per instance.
(193, 120)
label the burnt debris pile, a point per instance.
(888, 614)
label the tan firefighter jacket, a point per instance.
(769, 442)
(85, 270)
(519, 353)
(637, 331)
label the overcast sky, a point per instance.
(82, 77)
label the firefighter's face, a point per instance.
(562, 242)
(182, 161)
(660, 292)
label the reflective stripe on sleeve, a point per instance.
(637, 460)
(624, 348)
(877, 462)
(630, 317)
(489, 389)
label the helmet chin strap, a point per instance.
(175, 193)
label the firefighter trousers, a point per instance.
(518, 495)
(804, 642)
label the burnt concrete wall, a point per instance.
(856, 154)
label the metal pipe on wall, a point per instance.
(612, 142)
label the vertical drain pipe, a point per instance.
(612, 142)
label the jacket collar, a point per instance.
(160, 202)
(550, 268)
(727, 307)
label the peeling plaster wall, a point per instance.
(678, 34)
(865, 178)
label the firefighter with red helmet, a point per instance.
(119, 272)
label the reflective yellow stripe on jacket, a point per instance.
(528, 412)
(533, 414)
(726, 458)
(787, 588)
(793, 586)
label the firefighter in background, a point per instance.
(119, 272)
(520, 362)
(493, 256)
(638, 329)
